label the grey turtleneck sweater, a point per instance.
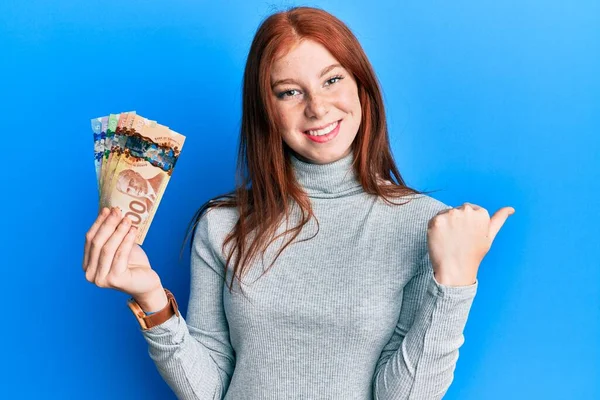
(353, 313)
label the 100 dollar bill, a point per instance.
(142, 170)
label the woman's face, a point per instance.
(317, 102)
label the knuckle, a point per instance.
(89, 237)
(435, 221)
(105, 251)
(119, 254)
(111, 280)
(96, 243)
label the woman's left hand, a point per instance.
(459, 238)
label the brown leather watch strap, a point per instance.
(148, 321)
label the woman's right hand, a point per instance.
(113, 260)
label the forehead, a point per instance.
(306, 58)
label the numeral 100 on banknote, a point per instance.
(134, 159)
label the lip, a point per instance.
(326, 138)
(320, 127)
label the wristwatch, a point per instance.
(148, 321)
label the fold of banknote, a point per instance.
(138, 168)
(99, 126)
(113, 119)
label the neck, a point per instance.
(331, 180)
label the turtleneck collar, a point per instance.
(335, 179)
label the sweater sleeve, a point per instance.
(419, 360)
(196, 358)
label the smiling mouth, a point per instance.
(323, 130)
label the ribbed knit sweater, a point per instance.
(352, 313)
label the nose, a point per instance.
(316, 107)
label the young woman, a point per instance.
(322, 275)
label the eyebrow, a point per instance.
(323, 72)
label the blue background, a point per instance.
(493, 102)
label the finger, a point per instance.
(121, 259)
(108, 251)
(107, 228)
(89, 236)
(473, 206)
(498, 219)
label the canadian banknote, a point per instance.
(135, 166)
(99, 126)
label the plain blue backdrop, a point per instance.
(496, 103)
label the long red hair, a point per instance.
(265, 180)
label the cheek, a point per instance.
(348, 101)
(288, 117)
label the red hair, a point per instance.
(265, 179)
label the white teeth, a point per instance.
(323, 131)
